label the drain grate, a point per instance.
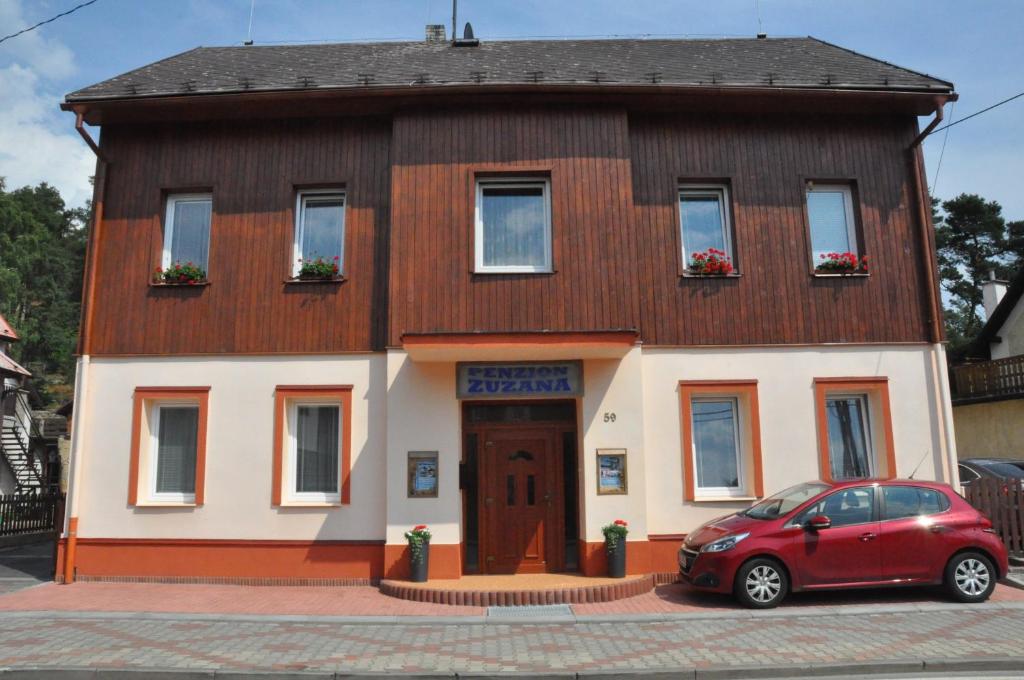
(530, 611)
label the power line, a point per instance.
(41, 23)
(945, 138)
(977, 113)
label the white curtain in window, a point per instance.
(830, 232)
(847, 437)
(323, 228)
(316, 436)
(190, 235)
(701, 219)
(176, 450)
(714, 440)
(514, 226)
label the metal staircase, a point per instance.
(17, 428)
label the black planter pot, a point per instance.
(617, 559)
(418, 568)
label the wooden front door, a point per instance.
(522, 503)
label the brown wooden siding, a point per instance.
(253, 170)
(409, 240)
(766, 161)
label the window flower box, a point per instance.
(318, 269)
(179, 274)
(711, 262)
(841, 263)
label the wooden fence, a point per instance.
(31, 513)
(1002, 501)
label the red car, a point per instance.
(847, 535)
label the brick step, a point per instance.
(474, 591)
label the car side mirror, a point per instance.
(819, 522)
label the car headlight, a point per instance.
(723, 544)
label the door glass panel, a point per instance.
(529, 490)
(510, 490)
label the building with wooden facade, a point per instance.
(510, 290)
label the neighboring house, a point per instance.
(988, 383)
(20, 468)
(515, 349)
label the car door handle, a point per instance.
(868, 537)
(937, 529)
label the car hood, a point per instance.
(717, 528)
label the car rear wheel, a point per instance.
(970, 577)
(761, 583)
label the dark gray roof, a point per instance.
(778, 62)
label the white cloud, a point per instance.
(37, 141)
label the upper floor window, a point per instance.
(513, 226)
(704, 221)
(830, 213)
(187, 230)
(320, 229)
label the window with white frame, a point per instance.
(315, 444)
(187, 230)
(513, 226)
(717, 460)
(320, 228)
(175, 434)
(830, 213)
(849, 436)
(704, 219)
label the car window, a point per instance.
(912, 501)
(967, 474)
(846, 507)
(1007, 470)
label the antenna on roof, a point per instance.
(760, 28)
(252, 11)
(455, 12)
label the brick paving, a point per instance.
(47, 640)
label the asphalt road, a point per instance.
(24, 566)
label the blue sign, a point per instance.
(519, 379)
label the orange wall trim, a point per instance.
(736, 388)
(656, 555)
(282, 393)
(878, 386)
(228, 559)
(66, 550)
(445, 560)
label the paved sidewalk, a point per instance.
(926, 636)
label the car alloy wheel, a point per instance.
(763, 584)
(972, 577)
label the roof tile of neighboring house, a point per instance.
(778, 62)
(5, 329)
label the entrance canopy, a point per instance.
(525, 346)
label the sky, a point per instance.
(977, 44)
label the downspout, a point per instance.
(940, 386)
(80, 419)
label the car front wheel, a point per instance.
(970, 577)
(761, 583)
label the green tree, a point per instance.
(972, 239)
(42, 252)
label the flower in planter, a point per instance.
(613, 533)
(417, 537)
(841, 263)
(318, 268)
(178, 273)
(711, 262)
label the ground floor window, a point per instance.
(168, 454)
(721, 432)
(854, 428)
(312, 435)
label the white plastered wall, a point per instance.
(239, 449)
(789, 440)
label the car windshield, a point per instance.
(786, 501)
(1007, 470)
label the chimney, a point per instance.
(437, 33)
(992, 291)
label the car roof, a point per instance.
(888, 482)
